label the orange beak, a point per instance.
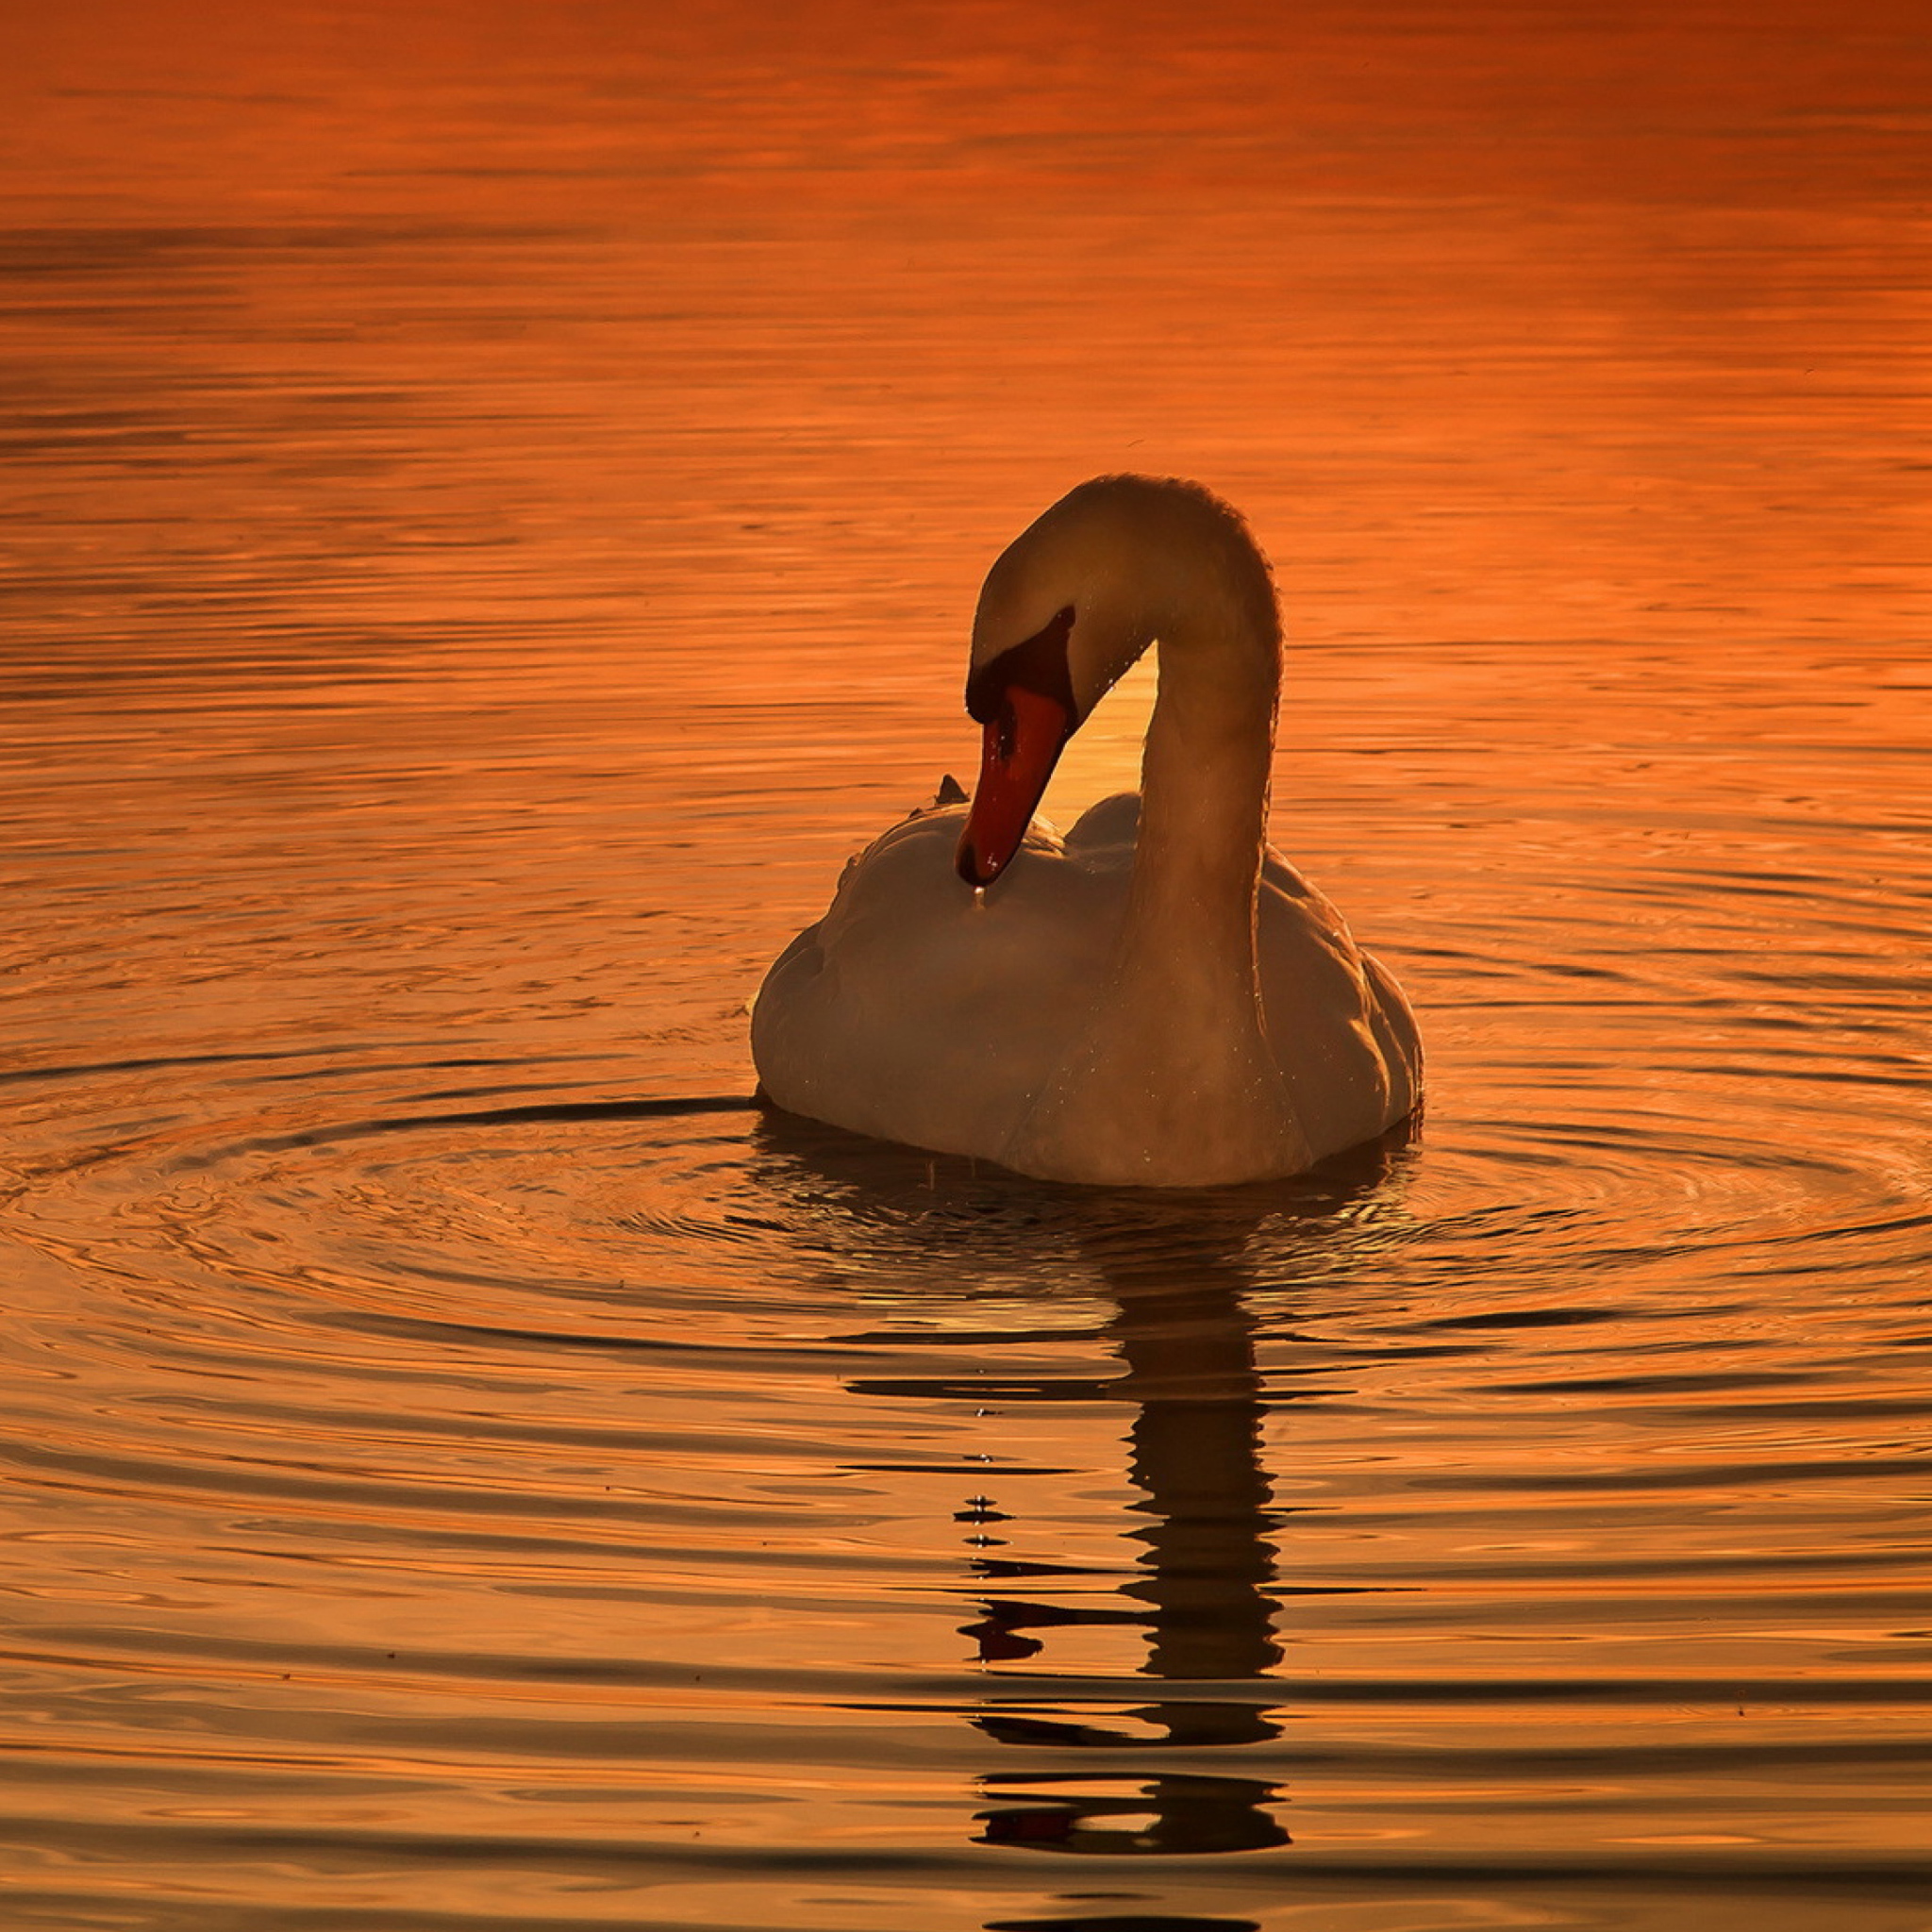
(1024, 740)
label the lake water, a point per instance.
(495, 497)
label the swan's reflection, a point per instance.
(1183, 1333)
(1176, 1271)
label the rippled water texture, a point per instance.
(495, 497)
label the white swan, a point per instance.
(1157, 1000)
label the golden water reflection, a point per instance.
(1190, 1379)
(1206, 1591)
(496, 495)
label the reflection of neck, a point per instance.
(1195, 1438)
(1196, 1454)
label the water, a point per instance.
(495, 505)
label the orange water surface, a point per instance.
(494, 500)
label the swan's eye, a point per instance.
(1008, 728)
(1039, 664)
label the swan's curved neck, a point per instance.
(1204, 804)
(1173, 1072)
(1174, 1068)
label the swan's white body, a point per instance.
(1157, 999)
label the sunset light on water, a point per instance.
(496, 497)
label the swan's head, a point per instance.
(1071, 604)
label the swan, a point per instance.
(1156, 999)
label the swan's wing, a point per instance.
(1110, 827)
(1397, 1036)
(1344, 1036)
(919, 1010)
